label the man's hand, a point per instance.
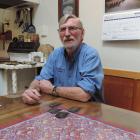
(31, 96)
(46, 86)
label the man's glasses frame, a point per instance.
(71, 29)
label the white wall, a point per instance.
(122, 55)
(47, 16)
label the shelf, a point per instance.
(16, 3)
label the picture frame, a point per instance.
(68, 7)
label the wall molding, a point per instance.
(122, 73)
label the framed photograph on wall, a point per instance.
(68, 7)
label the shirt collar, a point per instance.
(76, 53)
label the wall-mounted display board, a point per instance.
(121, 26)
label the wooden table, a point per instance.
(13, 109)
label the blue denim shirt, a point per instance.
(85, 70)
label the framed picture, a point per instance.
(68, 7)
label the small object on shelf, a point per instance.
(46, 49)
(23, 47)
(31, 57)
(31, 28)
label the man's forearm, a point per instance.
(75, 93)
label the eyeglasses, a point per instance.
(70, 28)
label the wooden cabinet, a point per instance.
(122, 92)
(119, 91)
(136, 96)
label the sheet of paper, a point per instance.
(121, 26)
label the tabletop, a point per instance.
(13, 110)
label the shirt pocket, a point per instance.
(59, 75)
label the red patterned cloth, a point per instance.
(75, 127)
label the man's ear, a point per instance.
(83, 33)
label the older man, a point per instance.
(73, 71)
